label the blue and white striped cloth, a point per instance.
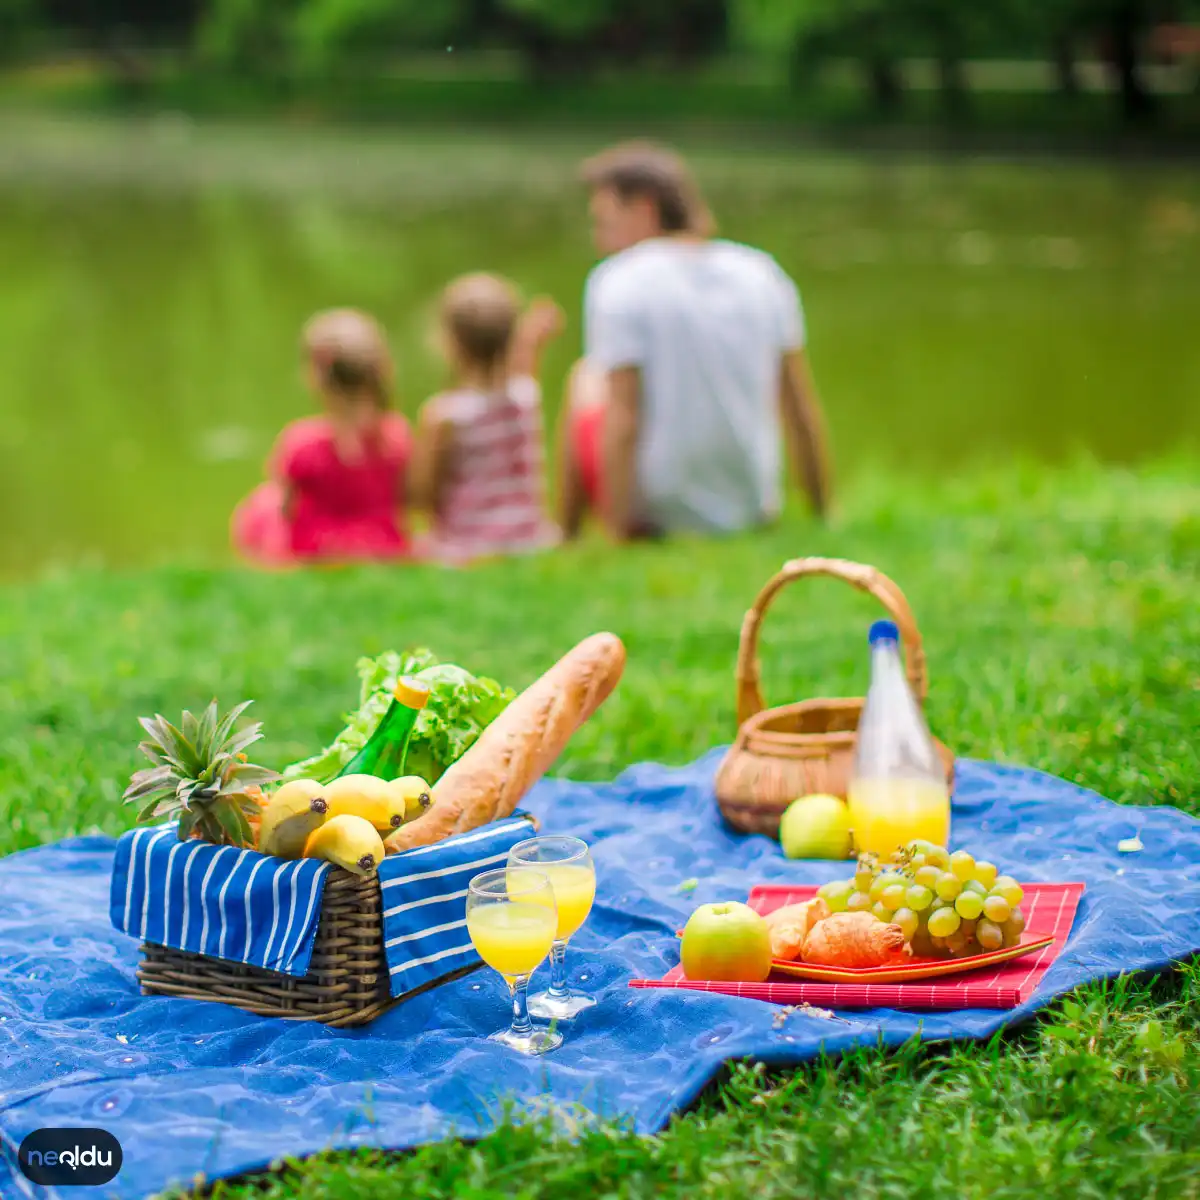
(425, 900)
(246, 907)
(219, 901)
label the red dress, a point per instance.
(339, 509)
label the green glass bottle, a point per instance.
(387, 748)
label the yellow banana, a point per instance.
(415, 793)
(347, 841)
(368, 797)
(290, 816)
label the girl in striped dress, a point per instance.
(478, 464)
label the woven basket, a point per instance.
(347, 980)
(798, 749)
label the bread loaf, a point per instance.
(520, 745)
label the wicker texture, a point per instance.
(797, 749)
(347, 980)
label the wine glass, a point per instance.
(512, 920)
(567, 863)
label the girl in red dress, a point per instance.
(336, 482)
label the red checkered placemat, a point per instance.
(1049, 911)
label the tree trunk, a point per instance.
(883, 82)
(953, 81)
(1066, 71)
(1137, 104)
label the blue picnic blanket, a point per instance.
(189, 1087)
(246, 907)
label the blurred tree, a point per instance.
(812, 30)
(557, 38)
(1124, 24)
(878, 33)
(19, 22)
(1116, 30)
(247, 36)
(328, 33)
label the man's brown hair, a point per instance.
(657, 173)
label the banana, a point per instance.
(416, 794)
(290, 816)
(368, 797)
(347, 841)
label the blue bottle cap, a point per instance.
(883, 631)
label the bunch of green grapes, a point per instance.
(945, 904)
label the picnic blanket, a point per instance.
(190, 1087)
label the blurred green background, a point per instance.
(176, 197)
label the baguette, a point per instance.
(520, 745)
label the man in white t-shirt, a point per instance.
(693, 366)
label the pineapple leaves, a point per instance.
(205, 730)
(150, 780)
(229, 720)
(247, 737)
(148, 811)
(234, 824)
(199, 772)
(190, 728)
(246, 775)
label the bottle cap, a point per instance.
(412, 692)
(883, 631)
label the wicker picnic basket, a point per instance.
(797, 749)
(347, 982)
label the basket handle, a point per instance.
(866, 579)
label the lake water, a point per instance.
(154, 276)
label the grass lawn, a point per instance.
(1061, 622)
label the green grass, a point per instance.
(1060, 617)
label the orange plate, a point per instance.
(922, 968)
(910, 972)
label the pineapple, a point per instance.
(200, 774)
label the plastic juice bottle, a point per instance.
(898, 784)
(387, 748)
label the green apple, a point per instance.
(816, 826)
(727, 941)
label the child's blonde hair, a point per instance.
(479, 314)
(349, 352)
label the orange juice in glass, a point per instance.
(567, 863)
(512, 922)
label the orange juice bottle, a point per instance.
(898, 786)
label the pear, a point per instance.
(347, 841)
(290, 816)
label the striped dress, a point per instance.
(493, 498)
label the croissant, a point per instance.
(853, 939)
(789, 926)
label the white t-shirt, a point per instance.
(707, 324)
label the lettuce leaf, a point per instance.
(460, 706)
